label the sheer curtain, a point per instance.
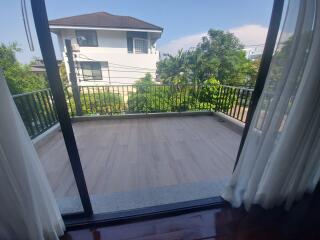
(28, 208)
(281, 156)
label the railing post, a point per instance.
(218, 106)
(73, 78)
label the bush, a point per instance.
(209, 93)
(95, 103)
(149, 98)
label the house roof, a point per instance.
(104, 20)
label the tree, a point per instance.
(19, 77)
(63, 73)
(174, 69)
(280, 62)
(146, 80)
(148, 97)
(218, 55)
(209, 92)
(252, 72)
(151, 97)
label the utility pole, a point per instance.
(73, 78)
(109, 73)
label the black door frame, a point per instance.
(266, 58)
(50, 62)
(87, 218)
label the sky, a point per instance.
(184, 21)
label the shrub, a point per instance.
(95, 103)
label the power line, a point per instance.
(116, 68)
(26, 24)
(123, 71)
(128, 84)
(127, 66)
(82, 56)
(89, 76)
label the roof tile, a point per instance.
(104, 20)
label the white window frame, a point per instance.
(95, 34)
(88, 78)
(134, 45)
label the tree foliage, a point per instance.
(19, 77)
(218, 55)
(178, 97)
(63, 73)
(146, 98)
(95, 103)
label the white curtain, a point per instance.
(280, 160)
(28, 209)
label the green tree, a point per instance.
(151, 97)
(19, 77)
(63, 73)
(174, 69)
(143, 83)
(280, 62)
(218, 55)
(252, 72)
(209, 92)
(148, 97)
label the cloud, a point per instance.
(185, 43)
(248, 34)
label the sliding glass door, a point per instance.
(124, 163)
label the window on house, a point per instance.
(87, 38)
(140, 45)
(91, 71)
(136, 36)
(130, 44)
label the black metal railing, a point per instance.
(239, 99)
(128, 99)
(37, 111)
(157, 98)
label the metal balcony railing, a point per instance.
(38, 112)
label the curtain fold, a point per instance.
(280, 158)
(28, 208)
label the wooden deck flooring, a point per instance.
(143, 153)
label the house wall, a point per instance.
(112, 51)
(253, 53)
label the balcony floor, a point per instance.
(122, 156)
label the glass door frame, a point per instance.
(55, 83)
(87, 218)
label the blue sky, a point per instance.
(184, 21)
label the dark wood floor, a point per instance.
(301, 222)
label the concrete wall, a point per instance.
(112, 49)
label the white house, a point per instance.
(254, 52)
(109, 49)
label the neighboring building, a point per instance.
(37, 67)
(254, 52)
(109, 48)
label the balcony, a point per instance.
(140, 146)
